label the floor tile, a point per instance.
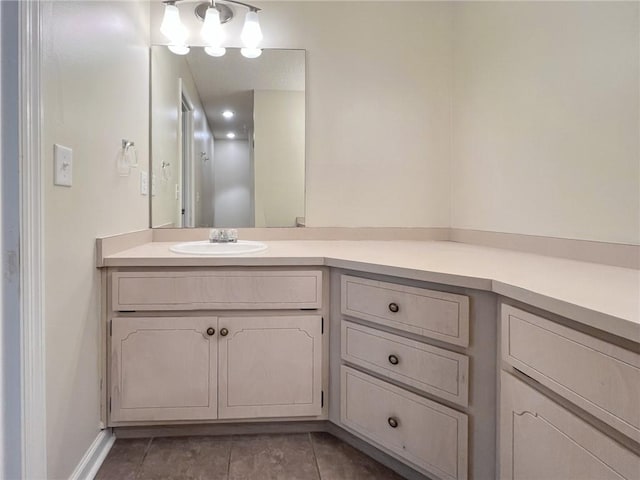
(124, 459)
(339, 461)
(186, 458)
(272, 457)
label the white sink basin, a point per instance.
(205, 247)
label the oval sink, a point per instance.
(205, 247)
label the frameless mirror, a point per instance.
(227, 139)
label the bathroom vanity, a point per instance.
(442, 360)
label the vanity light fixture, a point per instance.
(227, 114)
(231, 135)
(213, 14)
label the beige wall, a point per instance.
(378, 106)
(278, 118)
(95, 93)
(166, 71)
(546, 119)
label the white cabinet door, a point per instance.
(163, 368)
(270, 366)
(539, 439)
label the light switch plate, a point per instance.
(63, 166)
(144, 183)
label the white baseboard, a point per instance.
(94, 456)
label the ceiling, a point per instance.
(228, 82)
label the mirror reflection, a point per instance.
(227, 139)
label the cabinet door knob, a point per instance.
(393, 360)
(210, 331)
(224, 332)
(394, 307)
(393, 422)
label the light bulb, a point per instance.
(231, 135)
(215, 51)
(251, 33)
(227, 114)
(171, 26)
(251, 52)
(179, 49)
(212, 28)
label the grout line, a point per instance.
(144, 456)
(315, 458)
(229, 459)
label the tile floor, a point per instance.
(304, 456)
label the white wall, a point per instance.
(278, 119)
(95, 93)
(546, 119)
(378, 106)
(233, 184)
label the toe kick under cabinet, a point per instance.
(382, 369)
(211, 344)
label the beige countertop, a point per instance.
(601, 296)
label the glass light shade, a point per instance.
(171, 26)
(179, 49)
(212, 28)
(215, 51)
(251, 52)
(251, 33)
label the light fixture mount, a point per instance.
(226, 14)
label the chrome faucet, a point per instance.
(223, 235)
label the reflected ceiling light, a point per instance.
(227, 114)
(213, 14)
(231, 135)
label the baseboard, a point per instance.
(94, 456)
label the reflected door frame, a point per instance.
(186, 194)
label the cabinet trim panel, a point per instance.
(438, 315)
(216, 290)
(429, 435)
(599, 377)
(431, 369)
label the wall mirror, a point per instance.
(227, 139)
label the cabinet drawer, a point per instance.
(427, 434)
(219, 290)
(431, 369)
(539, 439)
(599, 377)
(438, 315)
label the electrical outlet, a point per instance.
(144, 183)
(62, 165)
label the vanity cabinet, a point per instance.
(540, 438)
(214, 344)
(408, 377)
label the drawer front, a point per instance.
(427, 434)
(599, 377)
(438, 315)
(219, 290)
(430, 369)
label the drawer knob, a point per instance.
(210, 331)
(393, 360)
(224, 332)
(393, 422)
(394, 307)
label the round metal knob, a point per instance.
(393, 422)
(210, 331)
(393, 360)
(224, 332)
(394, 307)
